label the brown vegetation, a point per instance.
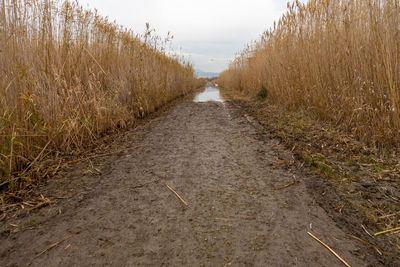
(68, 76)
(338, 59)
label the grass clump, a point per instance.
(262, 94)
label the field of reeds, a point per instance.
(339, 59)
(69, 76)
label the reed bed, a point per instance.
(68, 76)
(339, 59)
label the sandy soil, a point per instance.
(117, 210)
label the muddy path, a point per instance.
(117, 210)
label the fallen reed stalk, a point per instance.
(176, 194)
(103, 155)
(56, 244)
(366, 243)
(285, 186)
(331, 250)
(388, 231)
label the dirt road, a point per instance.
(239, 211)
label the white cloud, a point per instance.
(207, 29)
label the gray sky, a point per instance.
(208, 32)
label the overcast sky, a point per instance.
(209, 32)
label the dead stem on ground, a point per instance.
(176, 194)
(56, 244)
(331, 250)
(285, 186)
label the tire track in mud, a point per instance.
(213, 158)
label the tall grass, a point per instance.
(338, 58)
(68, 75)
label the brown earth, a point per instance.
(117, 210)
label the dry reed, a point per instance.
(339, 59)
(68, 76)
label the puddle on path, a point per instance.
(209, 94)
